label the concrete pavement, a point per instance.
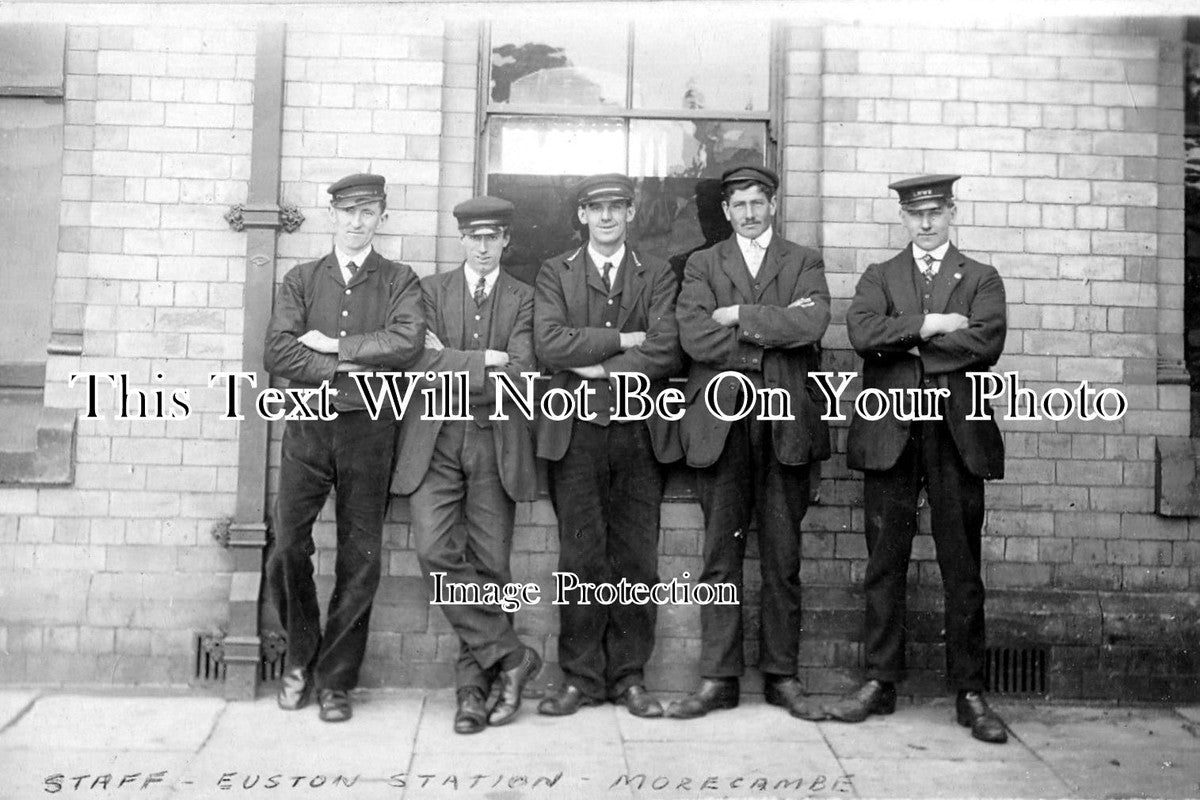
(400, 746)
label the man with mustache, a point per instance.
(348, 311)
(466, 477)
(756, 304)
(600, 309)
(922, 320)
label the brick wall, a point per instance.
(1068, 134)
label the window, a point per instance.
(671, 106)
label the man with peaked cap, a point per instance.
(465, 477)
(922, 320)
(756, 304)
(600, 309)
(350, 310)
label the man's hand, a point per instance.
(803, 302)
(942, 323)
(726, 315)
(315, 340)
(491, 358)
(432, 342)
(632, 339)
(594, 371)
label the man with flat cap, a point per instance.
(922, 320)
(601, 309)
(350, 310)
(758, 305)
(465, 477)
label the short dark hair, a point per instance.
(728, 189)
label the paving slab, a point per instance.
(749, 722)
(735, 768)
(1191, 712)
(925, 731)
(1115, 752)
(956, 778)
(568, 767)
(110, 724)
(13, 702)
(68, 771)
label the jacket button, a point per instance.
(345, 313)
(347, 291)
(608, 324)
(341, 333)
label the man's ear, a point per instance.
(582, 214)
(629, 212)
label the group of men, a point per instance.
(755, 304)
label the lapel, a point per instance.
(769, 270)
(453, 299)
(594, 280)
(504, 310)
(735, 267)
(634, 275)
(898, 273)
(330, 264)
(949, 276)
(370, 264)
(575, 281)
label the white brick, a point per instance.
(991, 139)
(1057, 191)
(865, 86)
(420, 123)
(1123, 94)
(118, 62)
(196, 165)
(128, 112)
(199, 115)
(1124, 193)
(124, 215)
(179, 140)
(195, 65)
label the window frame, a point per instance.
(772, 116)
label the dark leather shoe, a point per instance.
(471, 716)
(295, 690)
(787, 692)
(335, 705)
(713, 694)
(512, 683)
(565, 701)
(973, 712)
(873, 697)
(639, 702)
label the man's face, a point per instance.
(353, 228)
(607, 220)
(482, 250)
(928, 225)
(749, 211)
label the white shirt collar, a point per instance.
(938, 253)
(472, 276)
(763, 240)
(344, 258)
(600, 260)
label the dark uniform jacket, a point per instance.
(563, 339)
(512, 332)
(773, 344)
(884, 323)
(376, 318)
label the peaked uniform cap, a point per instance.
(609, 186)
(925, 188)
(762, 175)
(356, 189)
(484, 215)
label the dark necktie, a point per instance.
(480, 295)
(927, 270)
(352, 268)
(605, 276)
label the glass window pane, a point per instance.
(677, 165)
(702, 64)
(566, 63)
(535, 162)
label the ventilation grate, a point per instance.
(210, 657)
(1015, 670)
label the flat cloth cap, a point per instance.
(609, 186)
(482, 215)
(925, 189)
(356, 189)
(762, 175)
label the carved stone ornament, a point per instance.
(287, 216)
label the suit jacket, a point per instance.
(512, 331)
(563, 339)
(884, 323)
(376, 318)
(775, 341)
